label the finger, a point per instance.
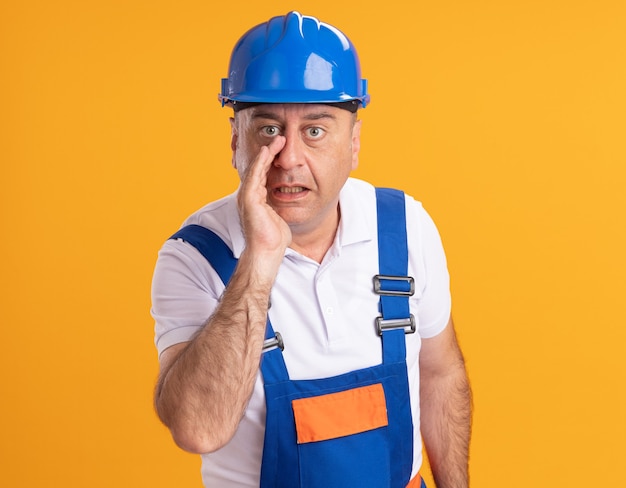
(277, 145)
(261, 164)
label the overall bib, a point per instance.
(350, 430)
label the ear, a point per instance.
(356, 144)
(233, 140)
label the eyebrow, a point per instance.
(310, 116)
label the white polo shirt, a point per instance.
(324, 312)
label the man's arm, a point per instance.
(204, 385)
(446, 408)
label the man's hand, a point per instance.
(266, 233)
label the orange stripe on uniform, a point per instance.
(415, 482)
(339, 414)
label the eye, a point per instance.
(315, 132)
(270, 130)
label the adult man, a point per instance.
(341, 403)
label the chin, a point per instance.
(294, 217)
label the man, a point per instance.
(363, 362)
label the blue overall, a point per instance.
(376, 455)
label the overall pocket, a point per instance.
(343, 438)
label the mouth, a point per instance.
(290, 189)
(289, 193)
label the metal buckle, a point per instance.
(379, 290)
(272, 343)
(407, 324)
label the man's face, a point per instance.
(321, 149)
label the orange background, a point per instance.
(505, 118)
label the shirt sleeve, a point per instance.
(185, 292)
(428, 262)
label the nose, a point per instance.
(291, 155)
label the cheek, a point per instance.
(240, 162)
(242, 156)
(347, 160)
(336, 170)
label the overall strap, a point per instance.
(392, 283)
(221, 258)
(212, 247)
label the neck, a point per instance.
(316, 242)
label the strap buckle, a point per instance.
(395, 288)
(407, 324)
(272, 343)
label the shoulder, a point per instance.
(221, 217)
(214, 214)
(357, 194)
(180, 259)
(360, 191)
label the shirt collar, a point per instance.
(358, 215)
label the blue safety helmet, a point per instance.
(294, 59)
